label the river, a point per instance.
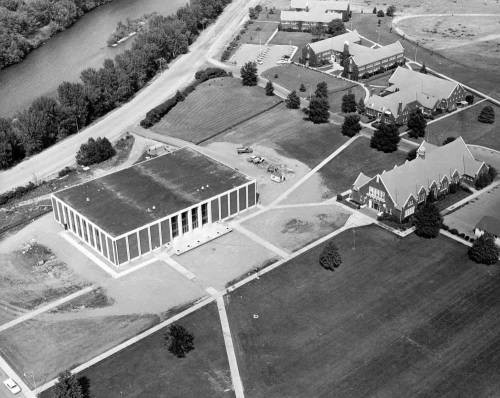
(66, 54)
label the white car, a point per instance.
(12, 386)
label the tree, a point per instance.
(423, 69)
(95, 151)
(302, 88)
(293, 100)
(336, 27)
(330, 257)
(361, 106)
(487, 115)
(67, 386)
(416, 123)
(318, 109)
(11, 149)
(321, 90)
(485, 179)
(318, 30)
(348, 103)
(269, 88)
(484, 250)
(448, 140)
(428, 221)
(351, 125)
(249, 74)
(74, 101)
(179, 340)
(469, 98)
(374, 10)
(385, 138)
(390, 11)
(380, 13)
(345, 60)
(412, 154)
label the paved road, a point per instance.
(179, 74)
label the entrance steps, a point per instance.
(198, 237)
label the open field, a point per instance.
(46, 345)
(390, 322)
(340, 173)
(292, 76)
(465, 124)
(465, 218)
(31, 276)
(213, 107)
(474, 68)
(430, 6)
(299, 39)
(147, 369)
(258, 32)
(287, 131)
(294, 228)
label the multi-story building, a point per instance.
(328, 50)
(409, 90)
(400, 190)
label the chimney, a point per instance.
(421, 152)
(346, 47)
(400, 109)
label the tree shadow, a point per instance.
(85, 385)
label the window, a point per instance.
(409, 211)
(204, 214)
(194, 217)
(185, 223)
(175, 227)
(421, 195)
(376, 193)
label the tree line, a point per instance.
(77, 104)
(25, 24)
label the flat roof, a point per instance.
(148, 191)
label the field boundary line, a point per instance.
(271, 37)
(200, 304)
(45, 308)
(238, 123)
(231, 354)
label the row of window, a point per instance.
(88, 232)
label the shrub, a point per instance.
(469, 98)
(390, 11)
(445, 227)
(487, 115)
(380, 13)
(95, 151)
(269, 88)
(351, 125)
(302, 87)
(249, 74)
(412, 154)
(209, 73)
(385, 138)
(179, 341)
(17, 192)
(448, 140)
(67, 170)
(454, 231)
(484, 250)
(428, 221)
(462, 235)
(374, 10)
(330, 258)
(275, 75)
(340, 198)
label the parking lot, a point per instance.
(265, 56)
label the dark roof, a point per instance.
(489, 224)
(138, 195)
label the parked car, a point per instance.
(244, 149)
(277, 177)
(12, 386)
(255, 159)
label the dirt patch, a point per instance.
(97, 298)
(295, 226)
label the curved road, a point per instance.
(180, 73)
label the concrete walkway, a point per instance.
(467, 199)
(455, 237)
(45, 308)
(231, 354)
(280, 252)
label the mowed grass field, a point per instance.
(340, 173)
(399, 318)
(287, 131)
(214, 106)
(258, 32)
(292, 76)
(147, 369)
(465, 124)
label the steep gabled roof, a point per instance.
(489, 224)
(406, 96)
(407, 179)
(335, 43)
(361, 180)
(362, 55)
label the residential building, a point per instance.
(366, 61)
(490, 225)
(328, 50)
(409, 90)
(174, 198)
(400, 190)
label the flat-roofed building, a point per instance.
(153, 204)
(329, 6)
(306, 20)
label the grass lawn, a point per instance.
(340, 173)
(147, 369)
(258, 32)
(292, 76)
(288, 132)
(299, 39)
(399, 318)
(465, 124)
(213, 107)
(46, 346)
